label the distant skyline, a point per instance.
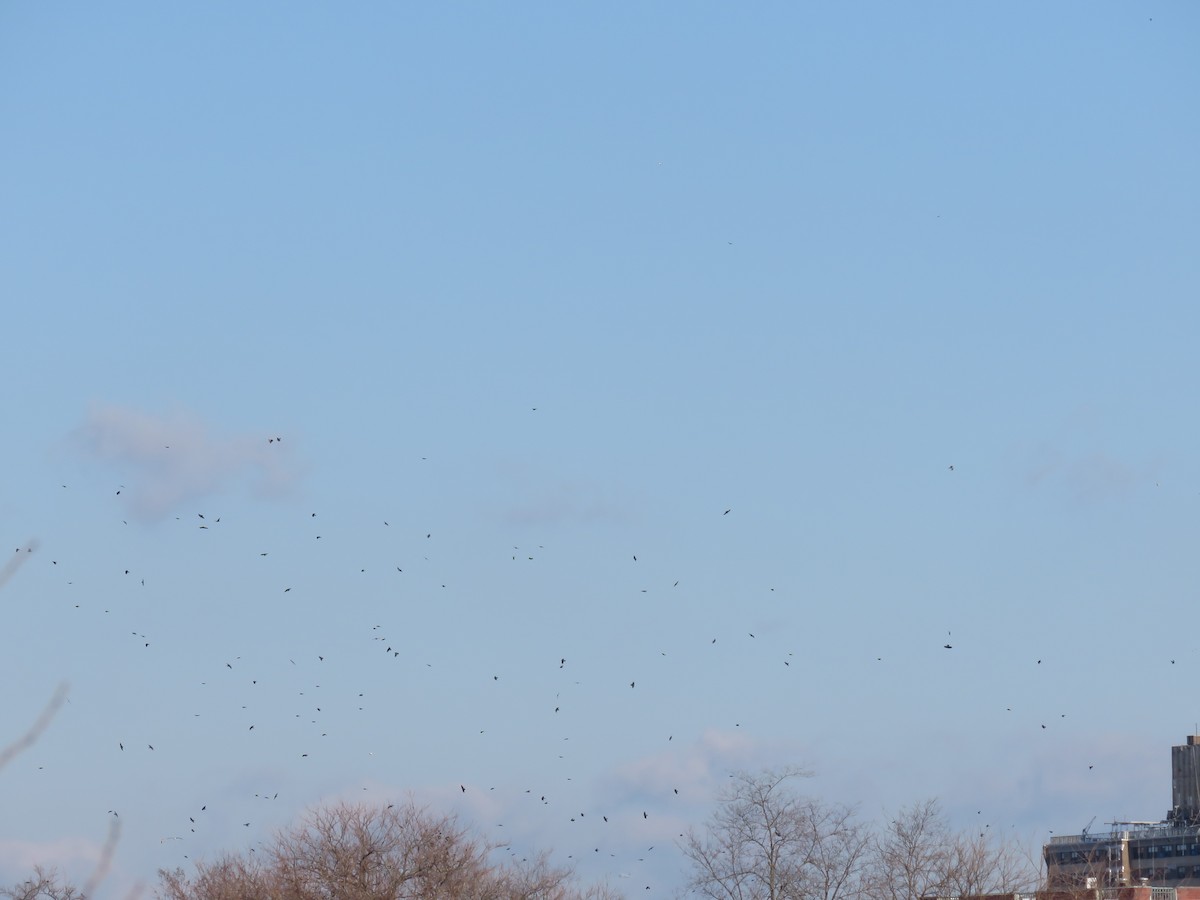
(587, 403)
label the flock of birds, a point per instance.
(315, 712)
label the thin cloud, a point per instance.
(564, 505)
(538, 503)
(167, 461)
(1090, 478)
(64, 853)
(697, 769)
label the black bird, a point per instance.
(947, 647)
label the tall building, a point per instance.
(1185, 783)
(1164, 853)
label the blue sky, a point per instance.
(528, 291)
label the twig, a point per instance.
(35, 731)
(106, 855)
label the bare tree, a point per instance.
(918, 855)
(909, 857)
(766, 842)
(539, 879)
(980, 864)
(839, 846)
(361, 852)
(353, 852)
(226, 878)
(44, 885)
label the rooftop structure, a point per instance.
(1137, 892)
(1160, 854)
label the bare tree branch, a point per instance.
(917, 855)
(25, 741)
(766, 842)
(353, 852)
(44, 885)
(105, 862)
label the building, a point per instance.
(1136, 892)
(1130, 854)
